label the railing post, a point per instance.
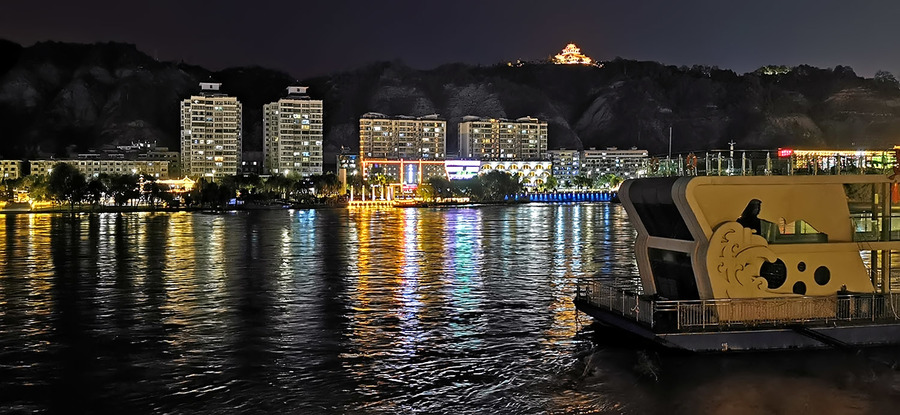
(703, 313)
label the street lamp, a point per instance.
(670, 142)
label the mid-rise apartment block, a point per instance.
(501, 139)
(10, 169)
(566, 164)
(95, 167)
(292, 134)
(623, 163)
(402, 137)
(211, 133)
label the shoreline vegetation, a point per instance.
(242, 208)
(67, 190)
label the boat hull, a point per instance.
(849, 336)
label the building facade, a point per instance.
(571, 55)
(402, 137)
(94, 167)
(292, 134)
(10, 169)
(498, 139)
(211, 133)
(146, 151)
(534, 173)
(623, 163)
(566, 164)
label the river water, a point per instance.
(390, 311)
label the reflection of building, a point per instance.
(566, 164)
(502, 139)
(571, 55)
(292, 139)
(622, 163)
(534, 173)
(210, 133)
(10, 169)
(94, 168)
(402, 137)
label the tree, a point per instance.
(550, 184)
(66, 184)
(37, 187)
(279, 185)
(886, 80)
(582, 182)
(609, 180)
(123, 188)
(426, 191)
(442, 187)
(499, 185)
(326, 184)
(152, 191)
(96, 189)
(9, 187)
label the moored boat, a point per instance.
(751, 263)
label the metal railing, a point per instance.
(778, 311)
(626, 303)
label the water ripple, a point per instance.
(317, 311)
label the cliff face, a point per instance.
(57, 97)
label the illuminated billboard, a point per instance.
(410, 174)
(462, 169)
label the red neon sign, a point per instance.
(785, 152)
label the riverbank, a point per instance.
(132, 209)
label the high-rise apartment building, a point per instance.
(210, 133)
(402, 137)
(501, 139)
(292, 136)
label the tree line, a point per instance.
(67, 186)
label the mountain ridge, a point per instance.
(57, 98)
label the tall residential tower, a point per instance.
(292, 136)
(210, 133)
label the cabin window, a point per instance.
(673, 274)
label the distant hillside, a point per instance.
(58, 97)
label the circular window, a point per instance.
(775, 273)
(822, 275)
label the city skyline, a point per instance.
(335, 36)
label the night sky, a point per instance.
(307, 38)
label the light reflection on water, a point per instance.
(355, 311)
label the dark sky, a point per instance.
(310, 37)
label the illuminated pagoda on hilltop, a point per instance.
(571, 55)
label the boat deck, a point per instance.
(842, 320)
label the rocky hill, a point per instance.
(57, 98)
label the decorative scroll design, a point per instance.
(734, 260)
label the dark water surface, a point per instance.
(433, 311)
